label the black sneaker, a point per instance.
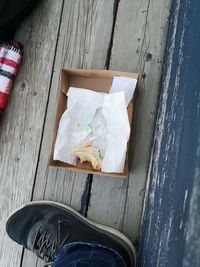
(44, 227)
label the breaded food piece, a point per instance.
(88, 143)
(89, 154)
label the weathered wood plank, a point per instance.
(21, 129)
(138, 45)
(84, 40)
(171, 226)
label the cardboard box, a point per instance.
(97, 80)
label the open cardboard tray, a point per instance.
(96, 80)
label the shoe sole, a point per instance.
(100, 226)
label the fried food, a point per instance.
(90, 154)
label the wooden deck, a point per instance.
(126, 35)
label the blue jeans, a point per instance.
(88, 255)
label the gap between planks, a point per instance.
(144, 27)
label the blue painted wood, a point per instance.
(170, 234)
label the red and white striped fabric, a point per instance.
(10, 59)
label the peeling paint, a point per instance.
(170, 233)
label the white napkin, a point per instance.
(99, 117)
(125, 84)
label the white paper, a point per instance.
(81, 107)
(106, 117)
(125, 84)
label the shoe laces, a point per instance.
(47, 245)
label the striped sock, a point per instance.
(10, 58)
